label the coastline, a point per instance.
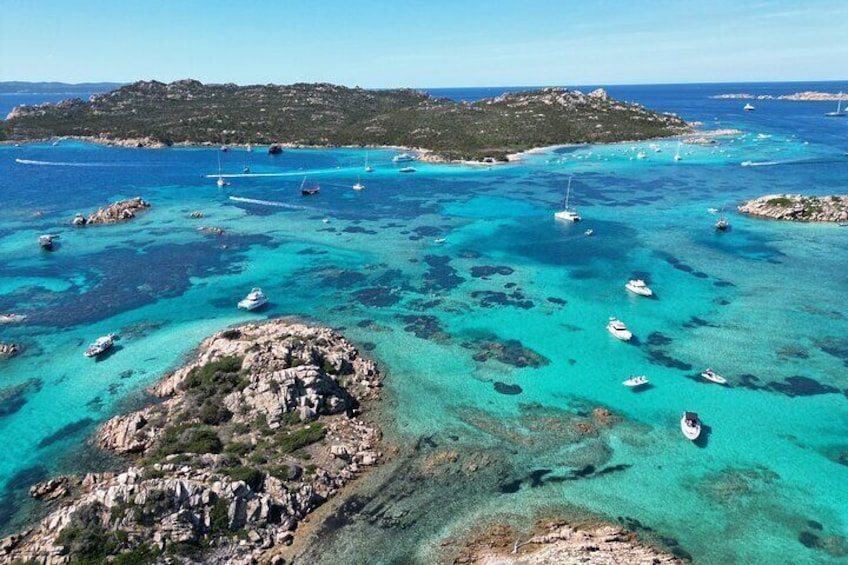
(300, 380)
(124, 499)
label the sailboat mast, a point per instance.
(568, 193)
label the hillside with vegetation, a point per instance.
(188, 111)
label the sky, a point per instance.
(424, 43)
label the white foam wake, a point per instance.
(269, 203)
(63, 163)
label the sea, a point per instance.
(503, 398)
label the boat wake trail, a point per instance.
(271, 203)
(788, 162)
(64, 163)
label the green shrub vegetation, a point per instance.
(329, 115)
(253, 477)
(781, 201)
(287, 442)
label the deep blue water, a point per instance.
(763, 304)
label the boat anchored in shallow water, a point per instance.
(100, 345)
(617, 328)
(638, 286)
(567, 214)
(690, 425)
(712, 376)
(46, 241)
(309, 190)
(253, 300)
(636, 381)
(403, 158)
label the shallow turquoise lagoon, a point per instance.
(488, 317)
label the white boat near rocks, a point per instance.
(253, 300)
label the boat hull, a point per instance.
(690, 432)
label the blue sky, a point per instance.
(424, 43)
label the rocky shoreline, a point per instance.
(250, 437)
(556, 541)
(120, 211)
(798, 208)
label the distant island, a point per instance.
(798, 208)
(154, 114)
(20, 87)
(807, 96)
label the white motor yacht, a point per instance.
(617, 328)
(638, 380)
(101, 345)
(403, 158)
(638, 286)
(748, 107)
(690, 425)
(253, 300)
(712, 376)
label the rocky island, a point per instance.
(113, 213)
(248, 439)
(154, 114)
(798, 208)
(806, 96)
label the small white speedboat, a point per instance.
(712, 376)
(12, 318)
(253, 300)
(100, 345)
(638, 286)
(690, 425)
(588, 232)
(633, 382)
(617, 328)
(748, 107)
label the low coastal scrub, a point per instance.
(294, 440)
(187, 111)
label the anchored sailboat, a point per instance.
(839, 113)
(567, 214)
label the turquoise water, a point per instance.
(493, 340)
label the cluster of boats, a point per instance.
(690, 424)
